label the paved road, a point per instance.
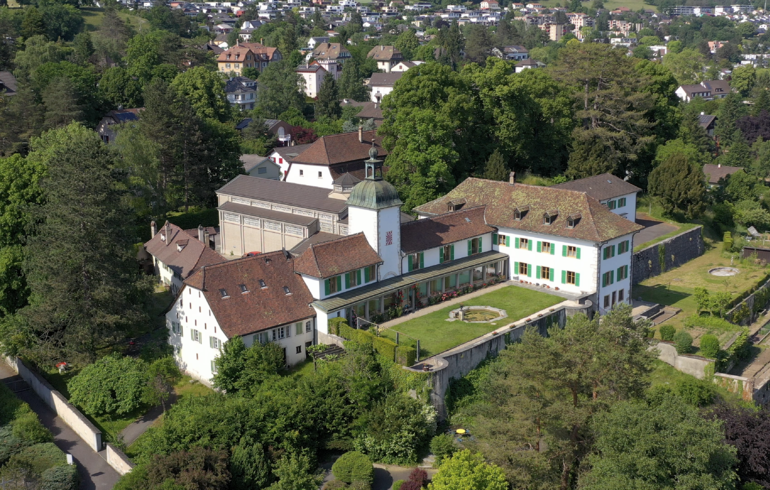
(140, 426)
(652, 229)
(95, 473)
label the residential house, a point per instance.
(515, 53)
(7, 83)
(714, 46)
(489, 5)
(260, 299)
(369, 110)
(708, 90)
(106, 127)
(717, 175)
(259, 166)
(557, 31)
(283, 156)
(381, 84)
(247, 55)
(315, 41)
(615, 193)
(386, 57)
(312, 77)
(332, 57)
(330, 157)
(405, 65)
(528, 64)
(708, 123)
(280, 129)
(241, 93)
(177, 253)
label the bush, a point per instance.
(442, 446)
(397, 484)
(10, 444)
(385, 347)
(696, 392)
(63, 477)
(411, 485)
(353, 467)
(727, 242)
(113, 384)
(709, 345)
(28, 427)
(667, 332)
(335, 323)
(419, 476)
(682, 342)
(707, 322)
(335, 485)
(406, 355)
(9, 405)
(38, 458)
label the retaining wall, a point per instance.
(458, 362)
(117, 459)
(692, 365)
(749, 302)
(736, 384)
(677, 250)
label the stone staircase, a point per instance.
(332, 350)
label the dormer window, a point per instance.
(224, 294)
(572, 220)
(549, 217)
(244, 289)
(520, 212)
(262, 284)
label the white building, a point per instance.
(615, 193)
(381, 84)
(312, 78)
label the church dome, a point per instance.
(374, 194)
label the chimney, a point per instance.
(206, 238)
(168, 232)
(153, 229)
(200, 232)
(512, 178)
(360, 133)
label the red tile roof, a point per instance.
(444, 229)
(341, 148)
(193, 255)
(336, 257)
(259, 308)
(596, 224)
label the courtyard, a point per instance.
(437, 334)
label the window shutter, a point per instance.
(409, 263)
(539, 245)
(529, 245)
(481, 244)
(366, 275)
(422, 260)
(563, 251)
(553, 248)
(339, 283)
(563, 277)
(604, 280)
(192, 334)
(441, 255)
(517, 242)
(452, 252)
(578, 252)
(470, 250)
(612, 277)
(507, 241)
(577, 279)
(327, 286)
(179, 326)
(628, 245)
(347, 280)
(529, 271)
(494, 238)
(613, 250)
(537, 275)
(358, 277)
(626, 267)
(516, 268)
(211, 342)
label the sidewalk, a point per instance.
(95, 473)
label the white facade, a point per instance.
(381, 91)
(197, 338)
(382, 229)
(312, 78)
(458, 250)
(614, 273)
(624, 206)
(315, 175)
(167, 276)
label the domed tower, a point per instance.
(375, 209)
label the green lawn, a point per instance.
(436, 334)
(94, 17)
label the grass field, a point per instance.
(436, 334)
(94, 16)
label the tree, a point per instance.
(467, 470)
(450, 40)
(33, 24)
(478, 44)
(110, 41)
(250, 466)
(761, 103)
(61, 104)
(746, 430)
(328, 103)
(205, 91)
(295, 472)
(351, 84)
(686, 65)
(407, 43)
(743, 79)
(679, 184)
(241, 369)
(111, 385)
(353, 467)
(692, 133)
(162, 375)
(612, 106)
(230, 364)
(279, 90)
(83, 48)
(118, 88)
(85, 288)
(197, 469)
(639, 445)
(495, 168)
(61, 21)
(731, 109)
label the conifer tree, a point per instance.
(692, 133)
(495, 169)
(328, 103)
(351, 84)
(680, 186)
(761, 102)
(61, 104)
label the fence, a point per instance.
(668, 254)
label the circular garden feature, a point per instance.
(477, 314)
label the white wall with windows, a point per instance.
(332, 286)
(447, 253)
(294, 338)
(624, 206)
(571, 265)
(167, 277)
(614, 272)
(314, 175)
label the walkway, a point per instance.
(652, 229)
(464, 298)
(95, 473)
(139, 426)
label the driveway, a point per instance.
(95, 473)
(652, 229)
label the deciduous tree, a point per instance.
(279, 90)
(467, 470)
(111, 385)
(205, 91)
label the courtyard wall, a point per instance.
(666, 255)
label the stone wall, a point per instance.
(117, 459)
(749, 302)
(692, 365)
(736, 384)
(675, 251)
(457, 363)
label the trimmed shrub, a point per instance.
(28, 427)
(10, 444)
(707, 322)
(385, 347)
(696, 392)
(335, 323)
(682, 342)
(667, 332)
(411, 485)
(406, 355)
(397, 484)
(353, 467)
(740, 348)
(38, 458)
(335, 485)
(60, 478)
(727, 241)
(442, 446)
(419, 476)
(709, 345)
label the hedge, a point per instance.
(667, 332)
(406, 355)
(64, 477)
(385, 347)
(38, 458)
(708, 322)
(353, 467)
(335, 323)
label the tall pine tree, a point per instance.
(328, 103)
(351, 84)
(495, 168)
(85, 288)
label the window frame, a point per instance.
(546, 273)
(572, 251)
(525, 267)
(523, 244)
(546, 247)
(574, 278)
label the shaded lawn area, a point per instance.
(436, 334)
(94, 17)
(665, 375)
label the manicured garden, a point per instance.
(436, 334)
